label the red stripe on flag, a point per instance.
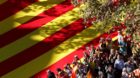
(69, 58)
(11, 7)
(41, 47)
(35, 23)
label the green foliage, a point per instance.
(106, 14)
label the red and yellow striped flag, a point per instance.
(36, 35)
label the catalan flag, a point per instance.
(36, 35)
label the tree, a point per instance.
(114, 12)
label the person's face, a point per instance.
(112, 51)
(110, 68)
(76, 58)
(68, 65)
(118, 57)
(87, 48)
(129, 61)
(79, 65)
(116, 52)
(48, 71)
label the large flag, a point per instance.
(36, 35)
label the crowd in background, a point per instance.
(111, 59)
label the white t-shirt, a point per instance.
(120, 38)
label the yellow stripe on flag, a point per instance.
(54, 55)
(35, 37)
(26, 14)
(2, 1)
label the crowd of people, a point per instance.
(111, 59)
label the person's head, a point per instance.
(124, 70)
(85, 54)
(62, 73)
(76, 58)
(85, 59)
(110, 66)
(58, 70)
(74, 64)
(117, 52)
(68, 65)
(101, 40)
(119, 32)
(87, 47)
(94, 56)
(79, 65)
(108, 39)
(48, 71)
(119, 57)
(65, 66)
(112, 51)
(129, 60)
(97, 49)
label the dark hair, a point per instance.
(58, 69)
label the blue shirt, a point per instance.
(119, 64)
